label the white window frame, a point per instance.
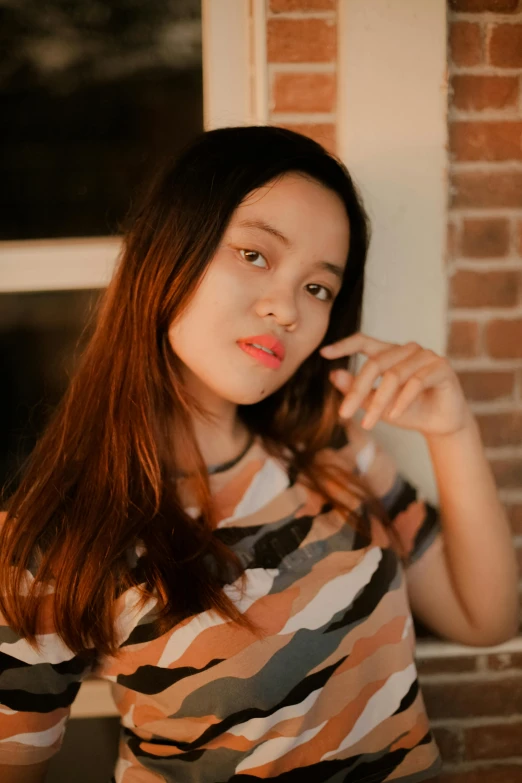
(234, 93)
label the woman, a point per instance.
(204, 526)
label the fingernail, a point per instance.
(327, 350)
(345, 409)
(341, 377)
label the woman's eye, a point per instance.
(253, 257)
(326, 294)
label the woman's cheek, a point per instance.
(321, 331)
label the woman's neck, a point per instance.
(222, 441)
(221, 436)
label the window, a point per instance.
(116, 84)
(41, 335)
(93, 95)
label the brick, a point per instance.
(492, 773)
(323, 133)
(485, 238)
(485, 289)
(486, 141)
(487, 385)
(478, 93)
(479, 189)
(492, 742)
(465, 43)
(503, 338)
(463, 337)
(280, 6)
(508, 475)
(449, 743)
(505, 46)
(503, 661)
(476, 6)
(301, 40)
(515, 520)
(458, 664)
(460, 699)
(501, 429)
(304, 92)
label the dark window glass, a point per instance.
(41, 336)
(93, 93)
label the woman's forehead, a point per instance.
(295, 208)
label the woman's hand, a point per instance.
(418, 390)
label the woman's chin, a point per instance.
(249, 396)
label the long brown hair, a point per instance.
(100, 478)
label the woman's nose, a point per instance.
(280, 303)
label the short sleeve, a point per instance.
(414, 522)
(37, 688)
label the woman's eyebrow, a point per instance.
(260, 224)
(338, 271)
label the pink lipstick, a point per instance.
(265, 348)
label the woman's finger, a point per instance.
(393, 381)
(425, 378)
(376, 366)
(341, 379)
(355, 343)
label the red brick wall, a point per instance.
(302, 62)
(485, 220)
(475, 709)
(475, 702)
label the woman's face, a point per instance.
(274, 277)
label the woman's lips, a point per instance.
(266, 340)
(268, 359)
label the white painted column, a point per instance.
(392, 136)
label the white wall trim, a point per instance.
(259, 64)
(235, 71)
(94, 700)
(226, 63)
(57, 264)
(427, 649)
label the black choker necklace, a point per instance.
(224, 465)
(230, 464)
